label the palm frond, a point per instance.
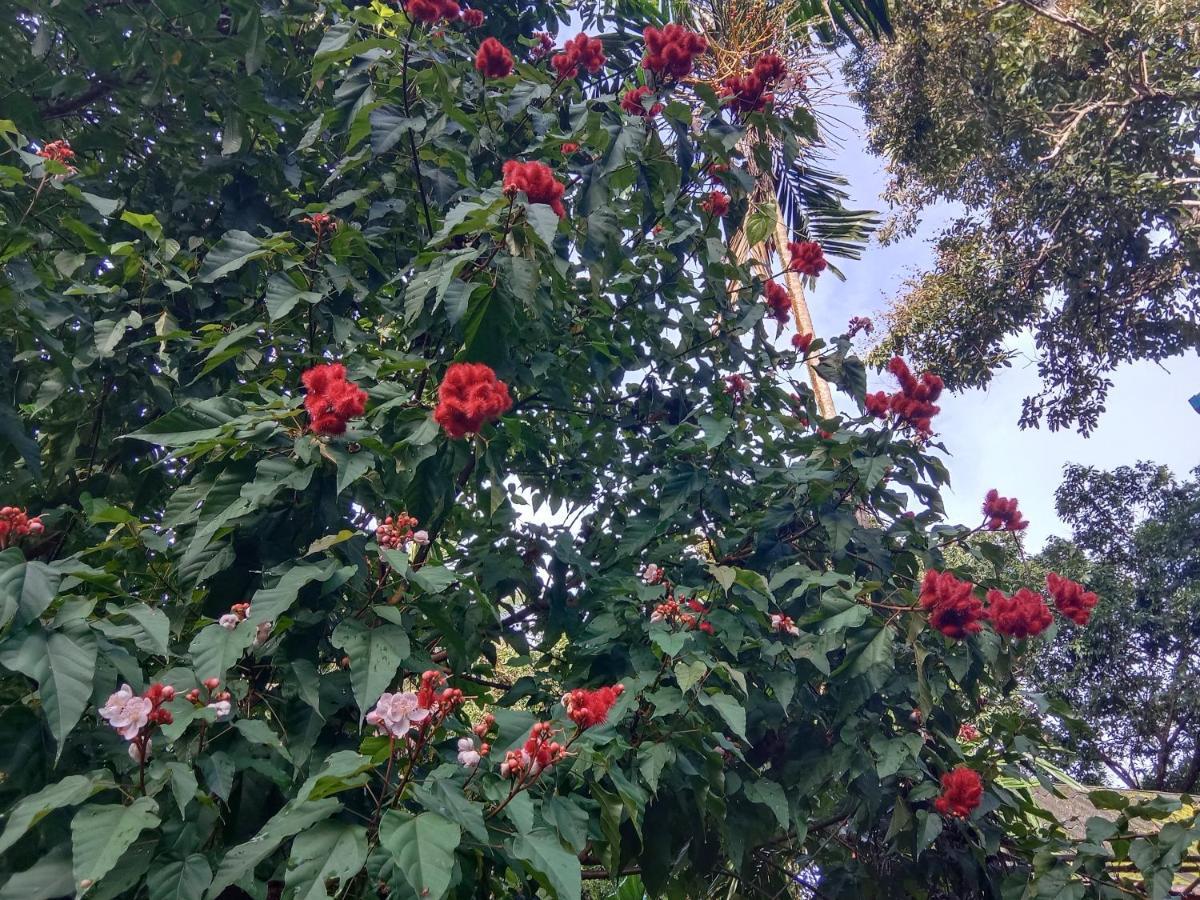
(813, 203)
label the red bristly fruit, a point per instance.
(1022, 615)
(470, 396)
(962, 791)
(953, 608)
(331, 400)
(493, 60)
(537, 181)
(807, 258)
(1071, 598)
(633, 102)
(671, 52)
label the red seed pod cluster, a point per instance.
(469, 397)
(1072, 600)
(716, 203)
(913, 405)
(395, 531)
(587, 709)
(736, 386)
(493, 60)
(543, 48)
(672, 612)
(953, 608)
(473, 18)
(331, 400)
(694, 620)
(806, 257)
(962, 791)
(633, 102)
(968, 733)
(15, 524)
(158, 694)
(430, 11)
(779, 301)
(484, 725)
(1001, 513)
(59, 151)
(860, 324)
(751, 92)
(322, 224)
(581, 52)
(539, 752)
(670, 52)
(1022, 615)
(802, 342)
(537, 181)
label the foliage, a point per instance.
(1132, 677)
(1067, 132)
(262, 188)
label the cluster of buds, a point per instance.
(671, 611)
(469, 755)
(860, 324)
(322, 224)
(60, 152)
(782, 624)
(441, 701)
(134, 716)
(15, 524)
(220, 702)
(588, 709)
(396, 532)
(537, 754)
(543, 48)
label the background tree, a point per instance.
(1133, 678)
(1067, 132)
(370, 372)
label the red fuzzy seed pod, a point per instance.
(536, 180)
(807, 258)
(493, 59)
(633, 102)
(470, 396)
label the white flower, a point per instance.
(397, 714)
(135, 752)
(222, 708)
(229, 620)
(127, 713)
(421, 537)
(467, 754)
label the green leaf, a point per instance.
(771, 795)
(282, 296)
(878, 652)
(389, 125)
(689, 674)
(216, 649)
(268, 604)
(544, 220)
(423, 850)
(63, 665)
(375, 655)
(47, 879)
(432, 579)
(730, 709)
(71, 791)
(101, 834)
(234, 250)
(256, 731)
(180, 879)
(155, 625)
(292, 819)
(558, 868)
(12, 427)
(760, 223)
(328, 853)
(446, 798)
(26, 588)
(715, 430)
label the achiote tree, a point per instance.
(357, 357)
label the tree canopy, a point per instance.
(1066, 133)
(405, 494)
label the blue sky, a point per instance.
(1147, 418)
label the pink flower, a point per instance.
(420, 537)
(139, 753)
(652, 574)
(222, 708)
(229, 620)
(397, 714)
(784, 625)
(126, 712)
(467, 754)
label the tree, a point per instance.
(404, 496)
(1132, 678)
(1067, 132)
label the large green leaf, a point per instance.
(62, 663)
(375, 656)
(423, 849)
(292, 819)
(556, 867)
(216, 649)
(180, 879)
(26, 588)
(71, 791)
(235, 249)
(101, 834)
(47, 879)
(325, 857)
